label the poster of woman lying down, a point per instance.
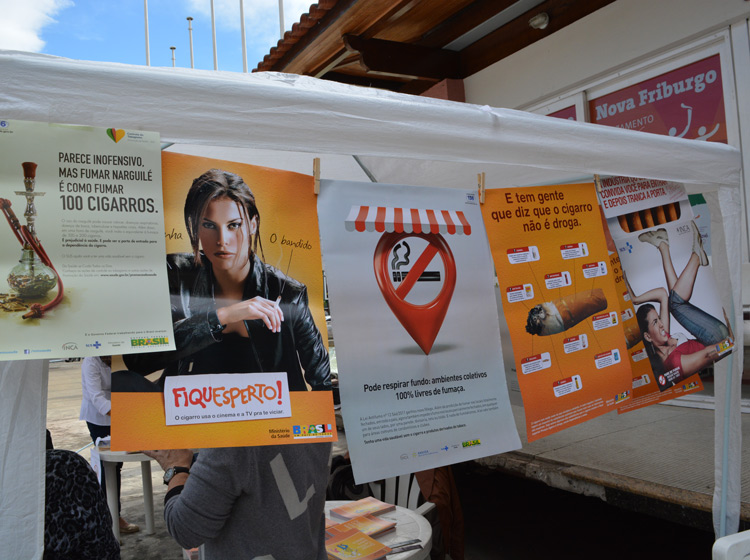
(674, 355)
(670, 282)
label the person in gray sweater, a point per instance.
(248, 502)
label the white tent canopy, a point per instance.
(298, 113)
(400, 139)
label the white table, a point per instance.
(409, 525)
(109, 461)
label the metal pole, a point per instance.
(725, 449)
(145, 17)
(190, 32)
(213, 33)
(173, 61)
(281, 19)
(242, 26)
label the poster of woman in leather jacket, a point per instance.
(245, 283)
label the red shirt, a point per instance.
(674, 359)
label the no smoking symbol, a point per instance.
(421, 321)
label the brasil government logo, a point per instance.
(312, 431)
(158, 341)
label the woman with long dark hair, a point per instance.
(232, 312)
(666, 351)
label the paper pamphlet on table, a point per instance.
(364, 506)
(410, 288)
(354, 544)
(83, 256)
(369, 524)
(560, 302)
(251, 403)
(668, 279)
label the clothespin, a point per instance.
(598, 183)
(316, 176)
(480, 179)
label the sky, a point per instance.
(114, 30)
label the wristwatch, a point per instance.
(171, 471)
(214, 325)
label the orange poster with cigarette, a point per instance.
(559, 299)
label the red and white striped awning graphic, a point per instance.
(407, 220)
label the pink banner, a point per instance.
(686, 103)
(568, 113)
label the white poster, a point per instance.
(82, 253)
(415, 327)
(681, 326)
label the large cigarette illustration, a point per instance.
(636, 221)
(558, 315)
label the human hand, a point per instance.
(171, 457)
(256, 308)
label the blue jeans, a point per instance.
(706, 328)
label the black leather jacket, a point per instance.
(297, 348)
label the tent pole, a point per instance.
(725, 447)
(364, 168)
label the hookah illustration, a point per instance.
(34, 275)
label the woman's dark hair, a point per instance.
(212, 185)
(657, 365)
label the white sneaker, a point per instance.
(655, 237)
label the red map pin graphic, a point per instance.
(422, 322)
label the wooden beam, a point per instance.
(341, 58)
(397, 9)
(402, 59)
(517, 34)
(305, 43)
(364, 81)
(321, 44)
(462, 22)
(417, 87)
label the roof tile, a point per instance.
(307, 21)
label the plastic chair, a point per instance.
(732, 547)
(402, 491)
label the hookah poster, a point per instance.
(560, 302)
(200, 403)
(681, 327)
(416, 329)
(82, 256)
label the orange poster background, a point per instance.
(288, 212)
(140, 419)
(548, 218)
(289, 229)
